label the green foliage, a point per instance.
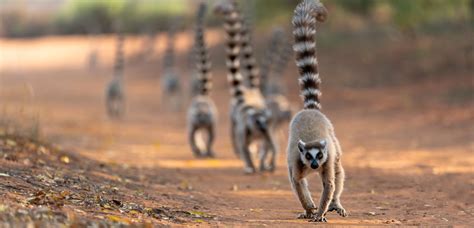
(273, 12)
(408, 14)
(138, 16)
(112, 15)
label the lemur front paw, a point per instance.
(339, 209)
(306, 215)
(319, 218)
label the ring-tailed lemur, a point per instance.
(202, 113)
(312, 145)
(249, 117)
(115, 97)
(170, 84)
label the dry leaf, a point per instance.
(118, 219)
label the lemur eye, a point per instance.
(308, 156)
(320, 155)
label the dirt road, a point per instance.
(408, 150)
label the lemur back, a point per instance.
(312, 145)
(202, 113)
(115, 97)
(249, 117)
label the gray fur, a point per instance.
(202, 113)
(312, 144)
(249, 117)
(114, 94)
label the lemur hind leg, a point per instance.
(210, 140)
(274, 149)
(243, 143)
(268, 146)
(263, 157)
(192, 140)
(233, 136)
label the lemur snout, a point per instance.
(314, 164)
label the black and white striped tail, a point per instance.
(304, 24)
(203, 63)
(233, 28)
(119, 55)
(269, 59)
(249, 61)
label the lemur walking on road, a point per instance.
(202, 113)
(312, 144)
(115, 96)
(249, 116)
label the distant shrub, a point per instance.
(108, 16)
(138, 16)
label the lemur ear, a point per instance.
(301, 146)
(323, 143)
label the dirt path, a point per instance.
(409, 159)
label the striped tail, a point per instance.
(233, 28)
(269, 59)
(119, 55)
(283, 57)
(304, 24)
(250, 64)
(203, 63)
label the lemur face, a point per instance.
(313, 154)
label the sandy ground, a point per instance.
(408, 148)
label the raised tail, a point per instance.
(304, 24)
(250, 64)
(269, 59)
(233, 28)
(119, 55)
(203, 63)
(168, 57)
